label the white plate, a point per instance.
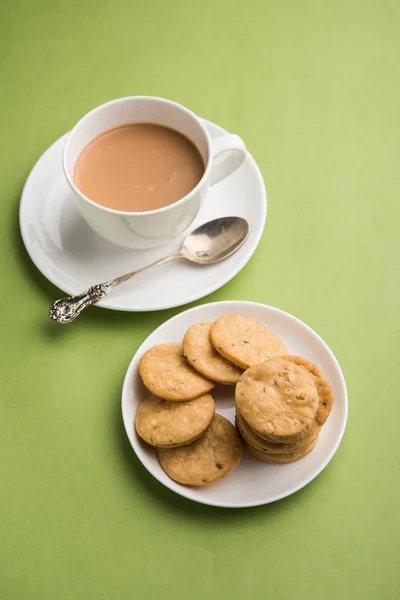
(73, 257)
(254, 482)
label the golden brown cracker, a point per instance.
(169, 424)
(207, 460)
(245, 342)
(168, 375)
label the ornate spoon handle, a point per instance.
(66, 310)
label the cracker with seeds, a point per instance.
(245, 342)
(167, 374)
(207, 460)
(169, 424)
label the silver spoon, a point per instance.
(208, 244)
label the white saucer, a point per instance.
(254, 482)
(73, 257)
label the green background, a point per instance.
(313, 88)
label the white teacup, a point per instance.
(155, 227)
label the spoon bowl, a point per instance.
(215, 240)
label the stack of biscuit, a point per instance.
(282, 401)
(281, 405)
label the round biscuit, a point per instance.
(207, 460)
(168, 375)
(203, 357)
(169, 424)
(245, 342)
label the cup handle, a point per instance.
(234, 149)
